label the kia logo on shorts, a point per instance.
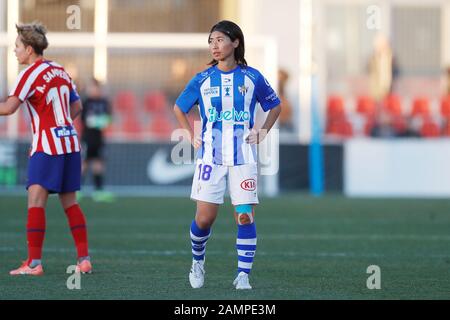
(249, 185)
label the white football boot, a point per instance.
(197, 274)
(241, 281)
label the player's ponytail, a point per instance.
(233, 31)
(34, 35)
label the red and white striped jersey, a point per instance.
(47, 91)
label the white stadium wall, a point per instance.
(397, 168)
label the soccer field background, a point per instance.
(308, 248)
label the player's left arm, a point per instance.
(272, 117)
(270, 102)
(10, 106)
(76, 106)
(256, 136)
(75, 109)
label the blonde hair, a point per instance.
(33, 34)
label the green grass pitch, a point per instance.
(308, 248)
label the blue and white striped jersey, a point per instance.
(227, 106)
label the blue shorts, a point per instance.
(57, 174)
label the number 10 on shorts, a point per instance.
(204, 174)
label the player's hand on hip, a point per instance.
(256, 136)
(197, 142)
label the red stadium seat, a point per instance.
(337, 122)
(445, 107)
(346, 129)
(155, 101)
(127, 113)
(131, 124)
(342, 128)
(125, 101)
(393, 105)
(335, 107)
(160, 125)
(366, 106)
(429, 129)
(421, 107)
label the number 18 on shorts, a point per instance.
(210, 182)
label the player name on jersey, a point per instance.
(47, 91)
(50, 75)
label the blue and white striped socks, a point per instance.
(199, 237)
(246, 246)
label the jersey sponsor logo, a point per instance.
(233, 115)
(212, 92)
(248, 185)
(62, 132)
(248, 73)
(272, 97)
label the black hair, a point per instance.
(233, 31)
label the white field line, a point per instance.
(313, 237)
(143, 252)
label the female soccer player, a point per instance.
(50, 96)
(227, 94)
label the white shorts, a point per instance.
(210, 182)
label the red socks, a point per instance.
(77, 223)
(35, 233)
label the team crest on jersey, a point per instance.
(243, 90)
(227, 91)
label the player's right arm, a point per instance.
(184, 123)
(9, 106)
(18, 94)
(187, 99)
